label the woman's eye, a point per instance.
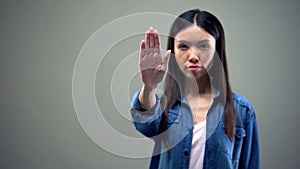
(183, 46)
(204, 46)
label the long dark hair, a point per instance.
(173, 82)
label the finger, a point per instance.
(147, 39)
(151, 39)
(166, 60)
(156, 40)
(142, 48)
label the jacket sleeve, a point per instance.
(251, 151)
(146, 122)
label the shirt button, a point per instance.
(186, 153)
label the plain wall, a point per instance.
(41, 40)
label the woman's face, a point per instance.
(194, 50)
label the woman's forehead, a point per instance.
(193, 33)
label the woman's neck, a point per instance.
(197, 87)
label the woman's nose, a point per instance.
(193, 57)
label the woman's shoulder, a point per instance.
(241, 100)
(243, 107)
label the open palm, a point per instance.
(152, 65)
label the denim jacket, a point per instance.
(220, 152)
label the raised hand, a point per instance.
(152, 65)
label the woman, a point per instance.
(198, 122)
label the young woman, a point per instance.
(198, 122)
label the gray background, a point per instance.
(40, 42)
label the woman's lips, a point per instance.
(194, 68)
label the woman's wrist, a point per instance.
(147, 96)
(149, 87)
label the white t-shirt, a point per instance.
(198, 146)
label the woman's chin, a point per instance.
(194, 76)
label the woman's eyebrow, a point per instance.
(183, 41)
(204, 41)
(187, 42)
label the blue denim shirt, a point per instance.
(220, 152)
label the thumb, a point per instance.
(166, 60)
